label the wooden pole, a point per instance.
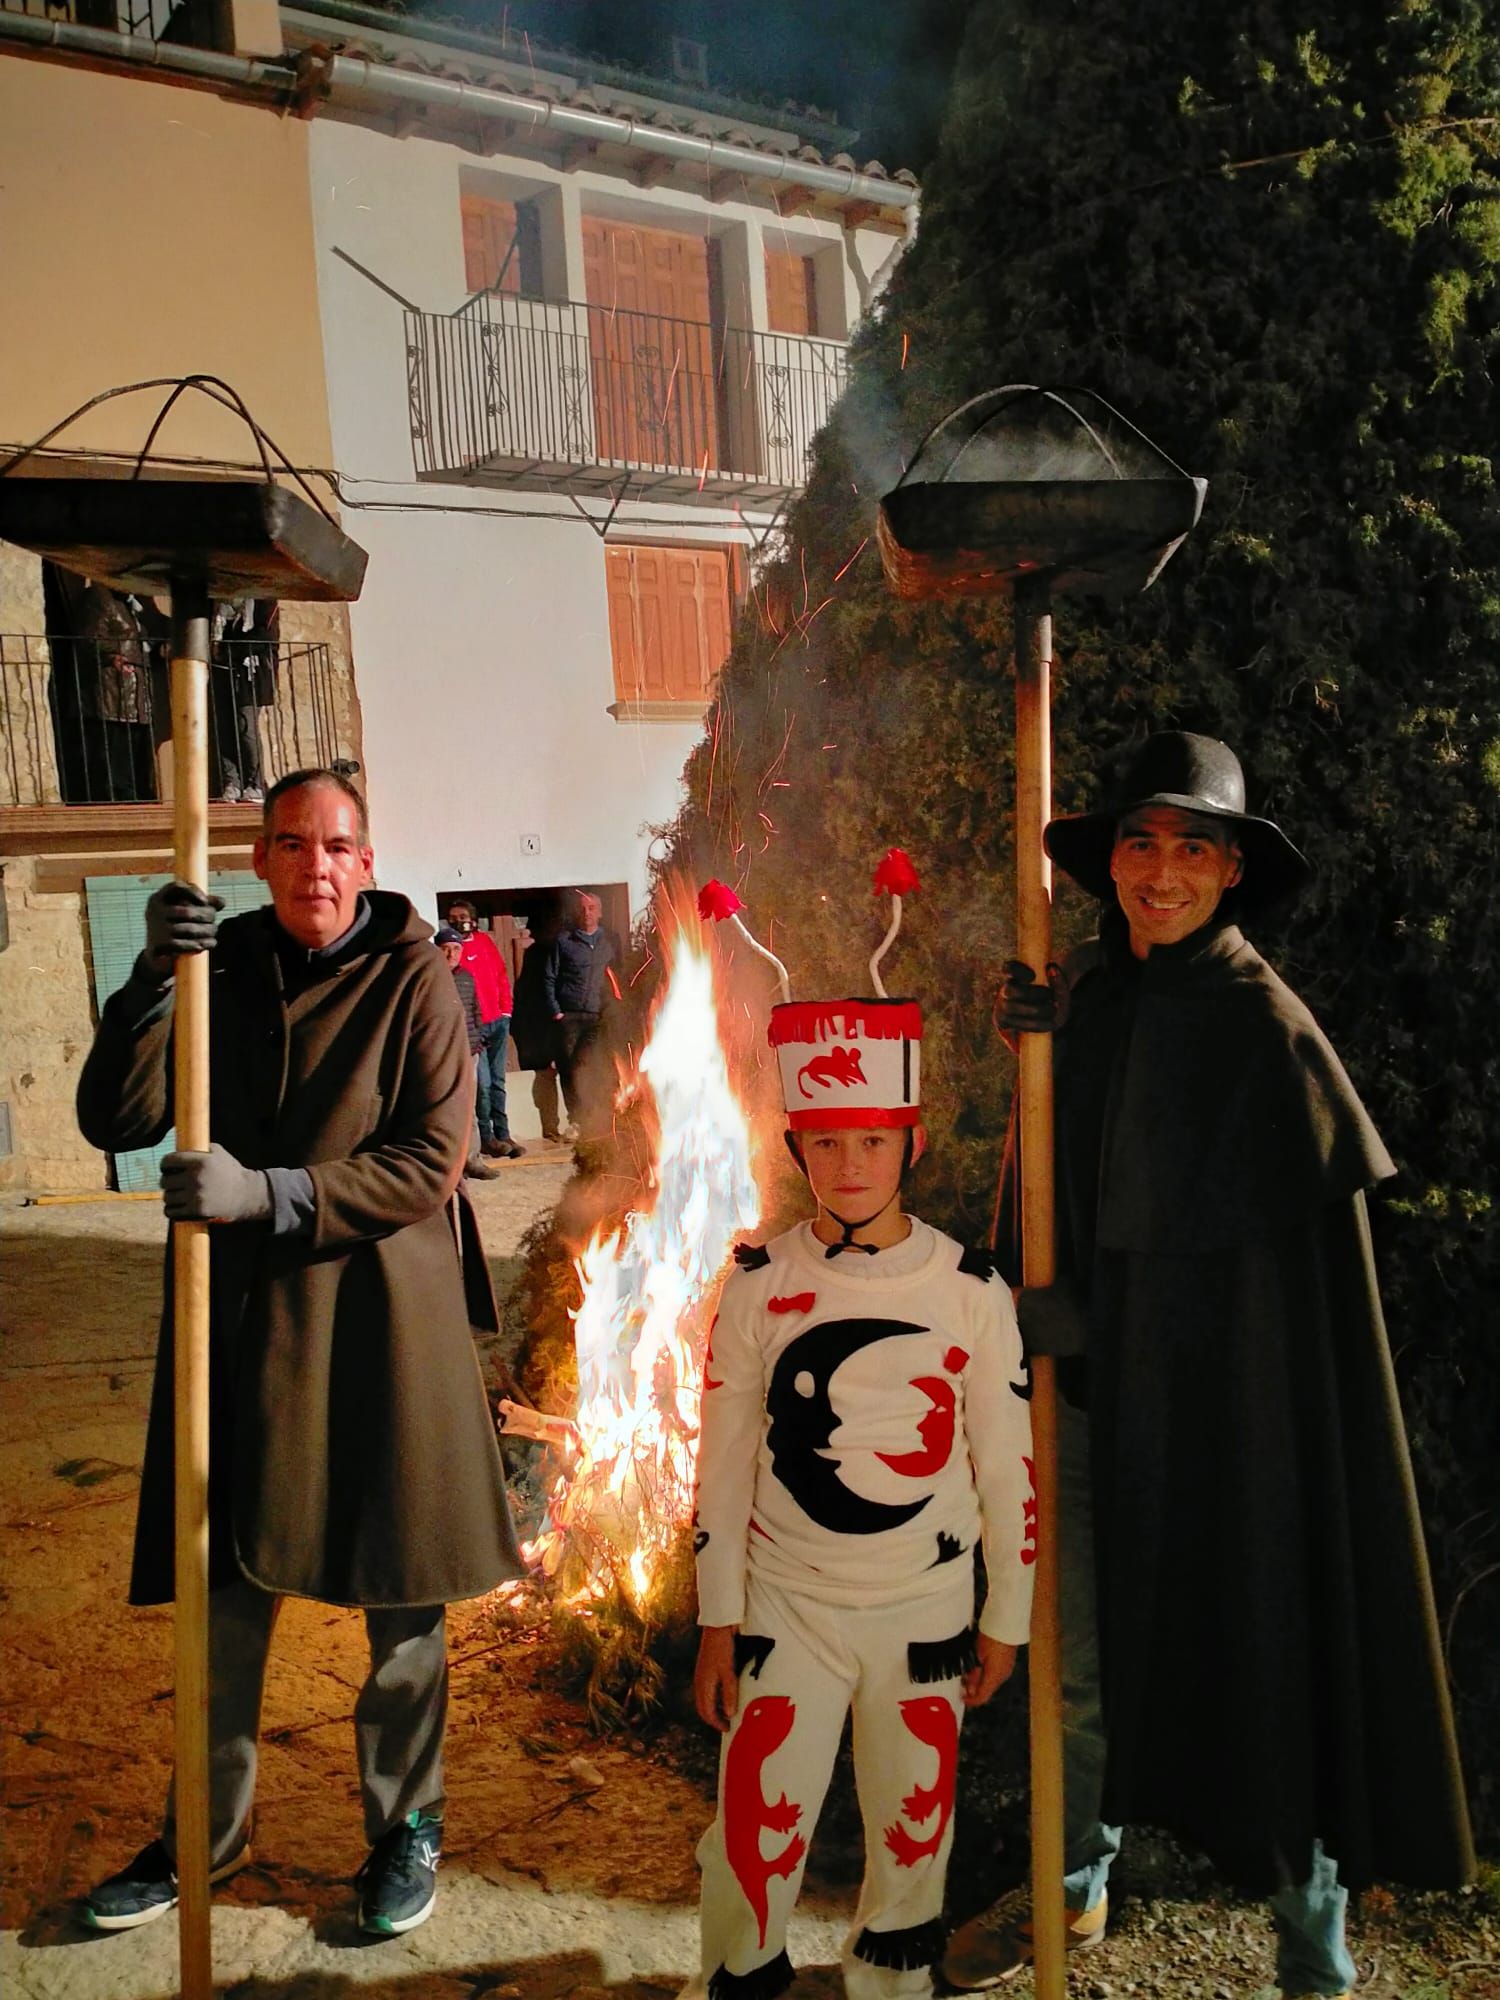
(190, 1274)
(1033, 641)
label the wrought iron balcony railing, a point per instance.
(146, 19)
(517, 391)
(88, 721)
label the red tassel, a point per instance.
(896, 876)
(716, 900)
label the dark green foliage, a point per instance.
(1271, 235)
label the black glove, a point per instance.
(1052, 1319)
(179, 920)
(1027, 1006)
(213, 1187)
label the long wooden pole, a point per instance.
(190, 1275)
(1033, 642)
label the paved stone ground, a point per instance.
(555, 1887)
(551, 1888)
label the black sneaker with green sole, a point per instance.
(145, 1889)
(398, 1884)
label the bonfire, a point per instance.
(619, 1508)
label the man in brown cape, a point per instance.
(352, 1455)
(1250, 1653)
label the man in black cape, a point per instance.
(1250, 1651)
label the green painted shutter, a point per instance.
(117, 929)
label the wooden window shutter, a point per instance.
(491, 253)
(791, 293)
(669, 621)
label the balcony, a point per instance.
(144, 18)
(524, 392)
(86, 726)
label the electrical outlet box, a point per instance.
(531, 845)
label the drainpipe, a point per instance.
(209, 65)
(357, 79)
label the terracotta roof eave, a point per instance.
(356, 75)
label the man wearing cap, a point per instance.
(1250, 1653)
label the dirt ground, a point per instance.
(561, 1878)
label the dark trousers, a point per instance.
(494, 1122)
(583, 1069)
(399, 1715)
(109, 761)
(236, 733)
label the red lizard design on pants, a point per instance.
(763, 1728)
(931, 1719)
(1028, 1516)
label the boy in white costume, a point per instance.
(865, 1425)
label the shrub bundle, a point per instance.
(1270, 233)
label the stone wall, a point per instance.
(28, 765)
(46, 1026)
(327, 625)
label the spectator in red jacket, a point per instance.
(451, 945)
(482, 961)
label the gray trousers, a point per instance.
(399, 1715)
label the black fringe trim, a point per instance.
(751, 1650)
(751, 1257)
(976, 1263)
(902, 1951)
(764, 1983)
(932, 1660)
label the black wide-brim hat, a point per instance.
(1197, 774)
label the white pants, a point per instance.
(802, 1666)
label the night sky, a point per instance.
(879, 65)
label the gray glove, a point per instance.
(179, 920)
(213, 1187)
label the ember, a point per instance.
(624, 1495)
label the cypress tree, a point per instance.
(1270, 234)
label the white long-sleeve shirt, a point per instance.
(865, 1422)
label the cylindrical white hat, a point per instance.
(849, 1062)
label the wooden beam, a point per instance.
(857, 213)
(406, 119)
(59, 829)
(655, 171)
(578, 154)
(795, 200)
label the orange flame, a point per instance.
(625, 1492)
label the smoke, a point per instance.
(882, 70)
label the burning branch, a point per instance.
(621, 1501)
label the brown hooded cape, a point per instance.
(1271, 1667)
(352, 1454)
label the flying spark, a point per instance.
(852, 560)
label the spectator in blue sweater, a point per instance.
(577, 984)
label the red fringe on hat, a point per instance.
(830, 1020)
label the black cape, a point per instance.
(1271, 1667)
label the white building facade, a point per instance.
(578, 341)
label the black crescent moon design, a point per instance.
(803, 1424)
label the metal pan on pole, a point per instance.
(1025, 480)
